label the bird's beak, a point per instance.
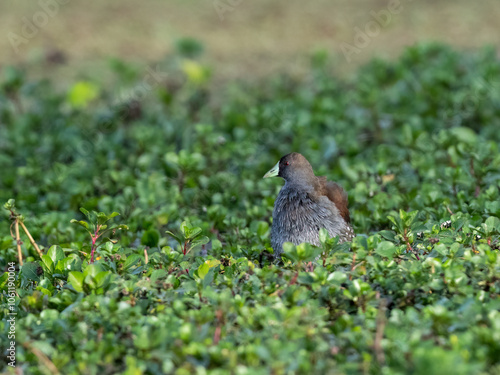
(274, 171)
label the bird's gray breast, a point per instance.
(297, 218)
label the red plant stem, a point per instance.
(94, 240)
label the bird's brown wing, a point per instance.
(337, 195)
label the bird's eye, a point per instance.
(287, 163)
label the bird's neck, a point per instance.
(299, 185)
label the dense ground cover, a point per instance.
(415, 143)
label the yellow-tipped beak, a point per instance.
(273, 172)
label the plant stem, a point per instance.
(18, 242)
(408, 246)
(31, 238)
(94, 239)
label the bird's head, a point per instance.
(293, 168)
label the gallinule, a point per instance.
(306, 204)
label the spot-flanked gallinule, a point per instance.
(306, 204)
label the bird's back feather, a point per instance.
(337, 195)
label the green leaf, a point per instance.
(101, 218)
(203, 270)
(10, 204)
(337, 277)
(76, 280)
(386, 249)
(185, 227)
(409, 217)
(203, 240)
(71, 263)
(4, 280)
(177, 238)
(396, 220)
(131, 261)
(82, 93)
(85, 212)
(158, 274)
(192, 233)
(150, 238)
(441, 249)
(388, 235)
(324, 236)
(47, 265)
(81, 222)
(29, 271)
(102, 279)
(465, 135)
(55, 253)
(92, 269)
(492, 225)
(263, 229)
(89, 280)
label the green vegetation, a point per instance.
(415, 143)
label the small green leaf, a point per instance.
(158, 274)
(55, 253)
(396, 220)
(184, 228)
(92, 270)
(10, 204)
(323, 235)
(47, 265)
(177, 238)
(192, 233)
(203, 270)
(441, 249)
(82, 93)
(102, 279)
(29, 270)
(80, 222)
(3, 280)
(76, 280)
(263, 229)
(491, 225)
(388, 235)
(150, 238)
(101, 218)
(409, 217)
(386, 249)
(203, 240)
(131, 261)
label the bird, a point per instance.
(305, 204)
